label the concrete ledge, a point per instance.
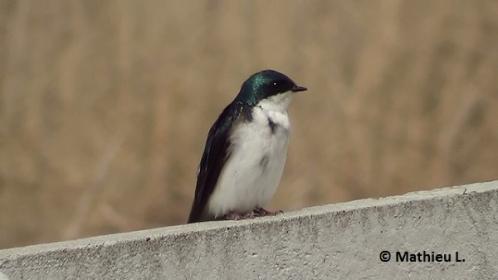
(341, 241)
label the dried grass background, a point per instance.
(105, 105)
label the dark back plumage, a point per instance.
(216, 153)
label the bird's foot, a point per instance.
(261, 212)
(234, 216)
(256, 212)
(240, 216)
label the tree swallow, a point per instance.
(245, 151)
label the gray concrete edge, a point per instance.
(120, 238)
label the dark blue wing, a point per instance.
(216, 153)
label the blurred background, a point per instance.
(105, 105)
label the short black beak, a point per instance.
(297, 88)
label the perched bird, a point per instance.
(245, 151)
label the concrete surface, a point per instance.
(341, 241)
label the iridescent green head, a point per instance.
(264, 84)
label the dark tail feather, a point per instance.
(199, 215)
(195, 215)
(193, 218)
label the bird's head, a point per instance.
(268, 85)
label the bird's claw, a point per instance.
(256, 212)
(260, 211)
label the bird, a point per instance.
(245, 151)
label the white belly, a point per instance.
(252, 173)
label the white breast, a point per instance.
(251, 175)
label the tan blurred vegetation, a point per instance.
(105, 105)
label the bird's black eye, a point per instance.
(275, 84)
